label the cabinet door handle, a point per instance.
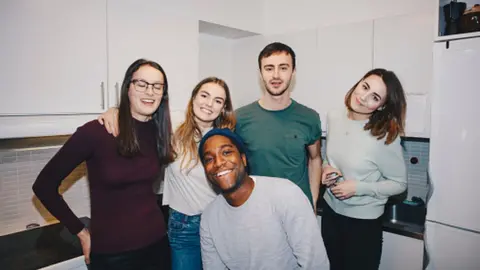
(117, 93)
(102, 88)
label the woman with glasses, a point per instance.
(186, 189)
(364, 167)
(127, 228)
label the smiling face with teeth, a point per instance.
(224, 164)
(208, 103)
(368, 95)
(144, 104)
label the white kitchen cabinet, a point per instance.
(404, 44)
(451, 248)
(401, 252)
(344, 56)
(147, 29)
(398, 252)
(54, 59)
(55, 62)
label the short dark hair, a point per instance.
(273, 48)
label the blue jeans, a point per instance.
(184, 236)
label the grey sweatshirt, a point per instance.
(379, 169)
(274, 229)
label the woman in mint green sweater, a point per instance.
(363, 149)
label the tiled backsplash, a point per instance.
(18, 205)
(19, 169)
(417, 173)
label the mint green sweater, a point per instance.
(379, 169)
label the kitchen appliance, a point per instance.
(452, 235)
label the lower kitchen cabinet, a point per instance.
(399, 252)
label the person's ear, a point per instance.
(244, 160)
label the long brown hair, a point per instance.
(127, 139)
(389, 121)
(188, 134)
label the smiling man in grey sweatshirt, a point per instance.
(257, 222)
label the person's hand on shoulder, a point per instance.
(110, 120)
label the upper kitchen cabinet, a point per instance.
(149, 29)
(344, 56)
(457, 19)
(54, 58)
(403, 44)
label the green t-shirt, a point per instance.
(277, 141)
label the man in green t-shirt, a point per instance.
(282, 136)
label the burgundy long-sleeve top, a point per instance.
(124, 212)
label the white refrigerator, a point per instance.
(452, 237)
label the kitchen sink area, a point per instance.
(405, 218)
(401, 217)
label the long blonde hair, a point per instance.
(188, 134)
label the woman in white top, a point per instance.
(186, 189)
(363, 149)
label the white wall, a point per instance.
(246, 78)
(285, 15)
(216, 56)
(246, 15)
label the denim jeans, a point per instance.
(184, 236)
